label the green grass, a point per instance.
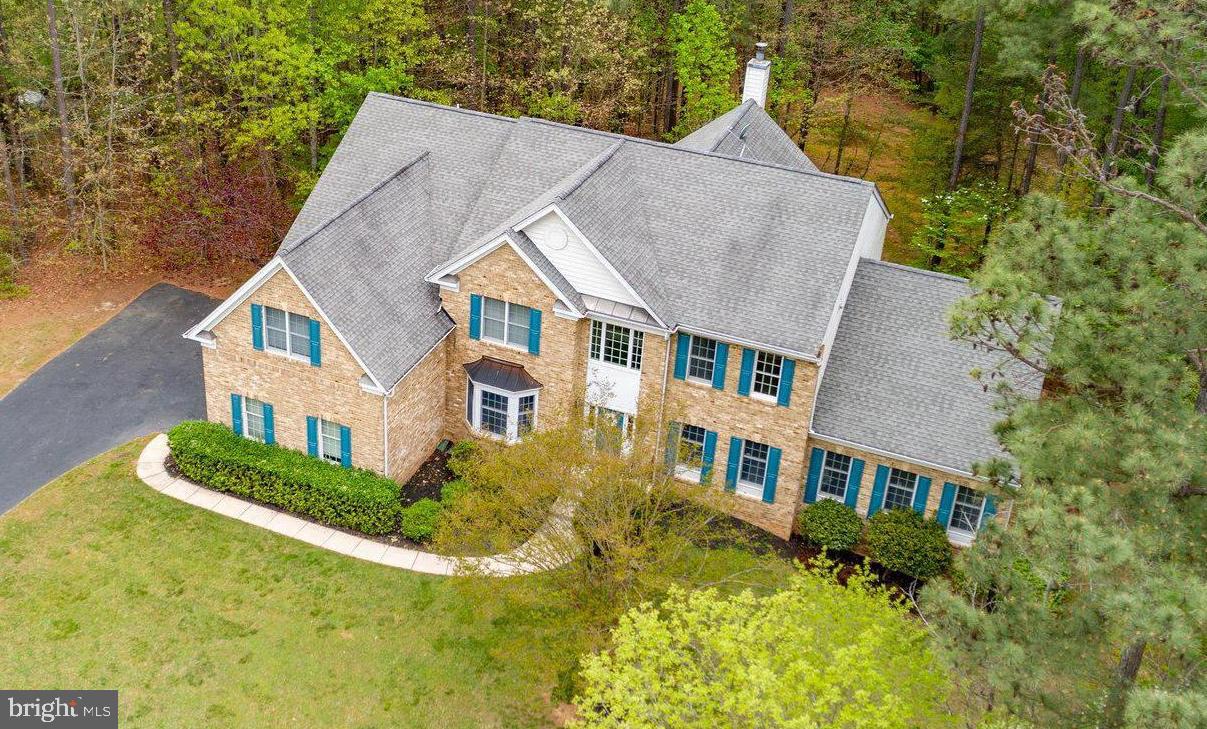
(200, 620)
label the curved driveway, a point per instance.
(132, 376)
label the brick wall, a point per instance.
(937, 477)
(731, 414)
(561, 365)
(293, 387)
(416, 413)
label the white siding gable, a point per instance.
(574, 258)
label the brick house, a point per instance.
(458, 273)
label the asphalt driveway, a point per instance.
(132, 376)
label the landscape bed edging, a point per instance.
(153, 472)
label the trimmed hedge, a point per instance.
(901, 540)
(831, 524)
(419, 520)
(460, 455)
(352, 498)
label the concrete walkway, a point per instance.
(543, 551)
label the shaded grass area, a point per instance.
(201, 620)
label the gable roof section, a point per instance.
(747, 131)
(733, 247)
(897, 383)
(364, 268)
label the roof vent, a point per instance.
(758, 73)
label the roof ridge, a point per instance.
(357, 201)
(915, 270)
(590, 168)
(745, 107)
(715, 155)
(628, 138)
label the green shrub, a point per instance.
(453, 490)
(460, 455)
(419, 520)
(831, 524)
(211, 454)
(901, 540)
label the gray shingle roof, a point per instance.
(702, 237)
(897, 382)
(353, 265)
(748, 131)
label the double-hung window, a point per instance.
(701, 359)
(615, 344)
(835, 474)
(689, 453)
(768, 369)
(752, 469)
(253, 419)
(966, 513)
(505, 322)
(527, 414)
(286, 332)
(329, 441)
(900, 490)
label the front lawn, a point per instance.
(200, 620)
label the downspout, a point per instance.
(385, 435)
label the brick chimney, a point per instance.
(758, 73)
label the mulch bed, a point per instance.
(849, 562)
(428, 480)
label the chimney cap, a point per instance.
(759, 49)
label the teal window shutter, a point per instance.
(710, 452)
(731, 469)
(878, 487)
(257, 326)
(270, 430)
(920, 495)
(943, 515)
(672, 445)
(312, 435)
(345, 446)
(682, 346)
(990, 509)
(854, 479)
(475, 316)
(773, 474)
(316, 349)
(816, 458)
(718, 370)
(237, 413)
(747, 372)
(534, 331)
(786, 373)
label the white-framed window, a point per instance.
(329, 441)
(527, 414)
(689, 452)
(752, 469)
(835, 472)
(899, 493)
(701, 359)
(286, 332)
(967, 511)
(505, 322)
(768, 369)
(616, 344)
(499, 413)
(253, 419)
